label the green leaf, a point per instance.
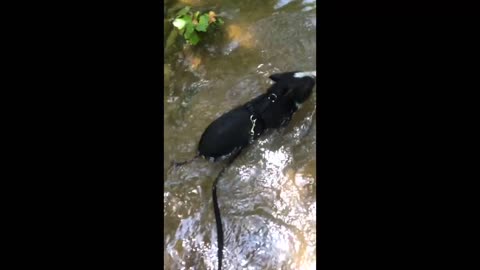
(179, 23)
(203, 23)
(196, 15)
(183, 11)
(188, 31)
(194, 38)
(182, 21)
(219, 20)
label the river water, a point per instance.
(267, 197)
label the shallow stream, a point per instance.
(267, 196)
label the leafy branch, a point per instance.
(190, 24)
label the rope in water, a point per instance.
(216, 210)
(218, 220)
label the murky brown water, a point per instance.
(267, 196)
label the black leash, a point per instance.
(216, 210)
(218, 220)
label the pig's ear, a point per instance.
(281, 76)
(277, 77)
